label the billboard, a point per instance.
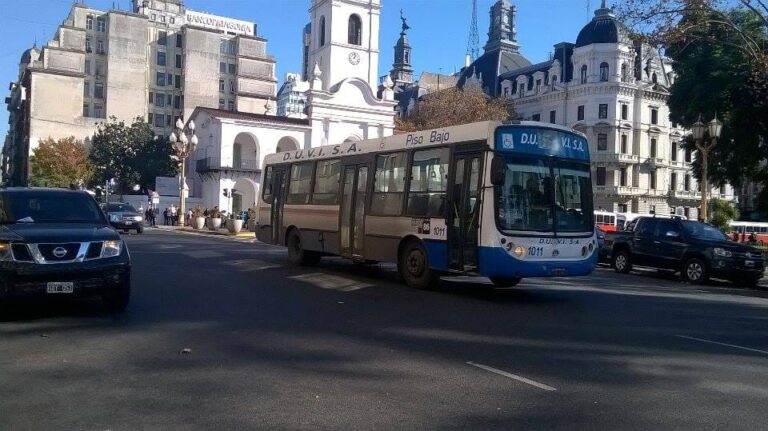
(168, 186)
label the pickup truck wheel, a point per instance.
(622, 262)
(695, 271)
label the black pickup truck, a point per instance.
(697, 250)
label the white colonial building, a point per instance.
(341, 56)
(614, 90)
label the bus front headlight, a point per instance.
(519, 251)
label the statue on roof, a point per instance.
(405, 24)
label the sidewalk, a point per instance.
(206, 231)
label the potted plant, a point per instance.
(214, 219)
(198, 219)
(234, 225)
(252, 220)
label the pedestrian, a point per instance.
(174, 215)
(752, 238)
(735, 237)
(189, 217)
(166, 215)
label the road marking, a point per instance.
(723, 344)
(512, 376)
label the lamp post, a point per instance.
(713, 130)
(184, 143)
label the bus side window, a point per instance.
(327, 182)
(267, 195)
(429, 182)
(389, 184)
(299, 188)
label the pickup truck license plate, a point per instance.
(60, 287)
(749, 263)
(128, 222)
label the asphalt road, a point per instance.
(342, 346)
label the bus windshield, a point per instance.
(545, 194)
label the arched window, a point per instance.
(584, 74)
(553, 81)
(355, 31)
(624, 74)
(654, 79)
(604, 72)
(321, 31)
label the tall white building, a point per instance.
(614, 90)
(158, 60)
(340, 56)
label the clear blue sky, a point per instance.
(438, 35)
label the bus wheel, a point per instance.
(296, 253)
(414, 267)
(506, 282)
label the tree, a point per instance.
(455, 106)
(131, 154)
(722, 213)
(59, 163)
(720, 59)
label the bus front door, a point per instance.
(352, 214)
(279, 181)
(464, 217)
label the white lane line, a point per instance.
(723, 344)
(513, 376)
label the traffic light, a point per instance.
(226, 193)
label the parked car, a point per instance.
(56, 242)
(697, 250)
(125, 217)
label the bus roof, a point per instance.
(472, 132)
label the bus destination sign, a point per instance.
(545, 142)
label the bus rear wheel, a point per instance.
(413, 266)
(296, 253)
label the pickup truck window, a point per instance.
(45, 206)
(665, 226)
(703, 231)
(646, 227)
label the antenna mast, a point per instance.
(473, 45)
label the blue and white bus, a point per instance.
(503, 201)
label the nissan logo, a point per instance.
(59, 252)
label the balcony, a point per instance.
(615, 158)
(685, 194)
(618, 190)
(215, 164)
(655, 161)
(677, 164)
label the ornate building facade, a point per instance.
(614, 90)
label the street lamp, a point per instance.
(713, 129)
(184, 142)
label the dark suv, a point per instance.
(56, 242)
(695, 249)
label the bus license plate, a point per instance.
(60, 287)
(559, 272)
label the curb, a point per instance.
(224, 234)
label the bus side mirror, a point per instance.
(498, 169)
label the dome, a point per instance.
(28, 56)
(604, 28)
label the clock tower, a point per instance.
(344, 40)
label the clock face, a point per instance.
(354, 58)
